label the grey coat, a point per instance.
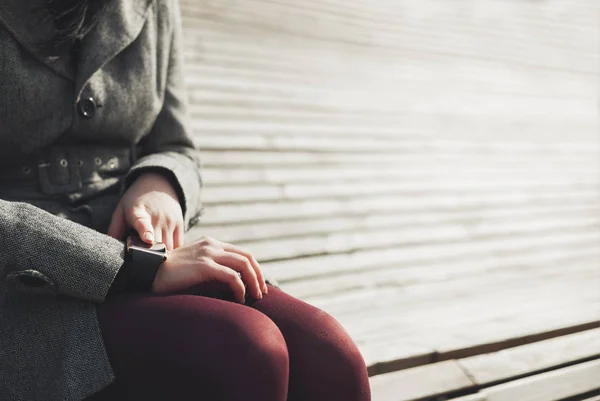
(72, 129)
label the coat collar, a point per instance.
(118, 25)
(28, 23)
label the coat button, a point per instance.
(87, 107)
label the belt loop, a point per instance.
(48, 160)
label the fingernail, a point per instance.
(148, 236)
(260, 295)
(265, 289)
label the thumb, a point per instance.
(142, 223)
(116, 229)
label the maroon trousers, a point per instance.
(199, 346)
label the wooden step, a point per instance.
(464, 374)
(484, 370)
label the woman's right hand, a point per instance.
(208, 259)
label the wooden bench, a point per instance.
(425, 171)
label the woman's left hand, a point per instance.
(152, 208)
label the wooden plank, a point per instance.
(356, 239)
(315, 174)
(420, 382)
(326, 26)
(317, 143)
(385, 276)
(431, 186)
(527, 359)
(396, 302)
(363, 204)
(258, 231)
(235, 158)
(311, 267)
(550, 386)
(470, 397)
(502, 282)
(467, 316)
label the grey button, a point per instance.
(64, 162)
(26, 170)
(87, 107)
(98, 161)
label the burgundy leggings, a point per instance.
(194, 346)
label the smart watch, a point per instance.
(143, 261)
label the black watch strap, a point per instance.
(142, 263)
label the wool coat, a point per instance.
(75, 128)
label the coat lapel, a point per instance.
(120, 23)
(28, 22)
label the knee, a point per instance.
(258, 345)
(338, 345)
(262, 343)
(338, 357)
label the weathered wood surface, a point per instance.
(426, 171)
(487, 369)
(550, 386)
(420, 382)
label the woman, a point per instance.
(95, 145)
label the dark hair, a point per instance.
(73, 19)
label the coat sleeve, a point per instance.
(46, 253)
(169, 148)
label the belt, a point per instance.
(67, 169)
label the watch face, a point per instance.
(135, 241)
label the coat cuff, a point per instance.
(184, 175)
(46, 253)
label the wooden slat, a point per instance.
(320, 143)
(470, 397)
(363, 204)
(455, 316)
(481, 370)
(527, 359)
(230, 157)
(439, 185)
(257, 231)
(395, 326)
(418, 255)
(408, 173)
(353, 240)
(550, 386)
(420, 382)
(378, 276)
(410, 33)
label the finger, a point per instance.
(259, 274)
(117, 226)
(178, 236)
(142, 223)
(231, 278)
(241, 264)
(167, 237)
(158, 235)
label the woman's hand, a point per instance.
(208, 259)
(152, 208)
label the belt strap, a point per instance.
(65, 169)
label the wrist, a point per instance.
(156, 180)
(142, 262)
